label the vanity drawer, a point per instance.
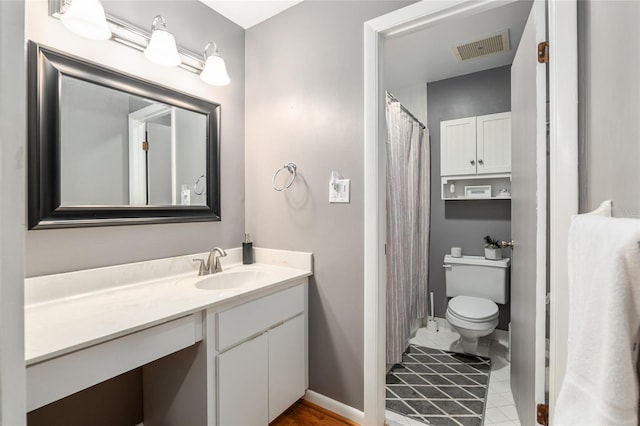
(236, 324)
(51, 380)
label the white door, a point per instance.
(458, 147)
(529, 219)
(493, 140)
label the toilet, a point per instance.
(475, 285)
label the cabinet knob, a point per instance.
(472, 162)
(480, 162)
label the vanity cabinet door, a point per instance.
(287, 365)
(243, 384)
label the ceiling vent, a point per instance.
(487, 46)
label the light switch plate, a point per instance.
(339, 191)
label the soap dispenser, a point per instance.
(247, 250)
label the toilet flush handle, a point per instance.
(446, 265)
(505, 244)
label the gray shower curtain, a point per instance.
(408, 191)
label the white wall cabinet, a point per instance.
(476, 152)
(458, 147)
(493, 143)
(476, 145)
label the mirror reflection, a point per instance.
(117, 148)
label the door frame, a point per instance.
(563, 176)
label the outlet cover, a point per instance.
(339, 190)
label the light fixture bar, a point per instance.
(137, 38)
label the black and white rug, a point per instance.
(439, 387)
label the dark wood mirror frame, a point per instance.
(45, 67)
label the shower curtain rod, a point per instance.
(393, 98)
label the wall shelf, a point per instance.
(475, 199)
(496, 181)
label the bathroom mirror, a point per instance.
(110, 149)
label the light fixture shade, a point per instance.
(215, 71)
(86, 18)
(162, 48)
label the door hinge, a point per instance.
(543, 52)
(542, 412)
(145, 146)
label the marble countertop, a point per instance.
(65, 319)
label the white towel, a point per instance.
(601, 386)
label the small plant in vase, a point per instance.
(492, 248)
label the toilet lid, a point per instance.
(473, 308)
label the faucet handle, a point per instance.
(202, 270)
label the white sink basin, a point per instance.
(231, 280)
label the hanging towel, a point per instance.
(601, 385)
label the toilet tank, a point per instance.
(478, 277)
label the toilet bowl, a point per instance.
(472, 318)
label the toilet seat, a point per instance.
(472, 309)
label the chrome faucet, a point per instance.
(214, 260)
(212, 264)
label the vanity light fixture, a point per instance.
(162, 48)
(86, 18)
(215, 70)
(159, 46)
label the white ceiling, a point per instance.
(426, 55)
(421, 56)
(248, 13)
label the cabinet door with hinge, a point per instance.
(458, 147)
(287, 365)
(243, 384)
(494, 143)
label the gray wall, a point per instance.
(464, 223)
(305, 104)
(609, 93)
(193, 24)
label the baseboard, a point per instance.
(334, 406)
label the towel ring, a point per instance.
(195, 186)
(291, 167)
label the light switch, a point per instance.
(339, 190)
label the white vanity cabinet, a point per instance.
(261, 367)
(205, 357)
(287, 365)
(243, 380)
(476, 145)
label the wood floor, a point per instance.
(308, 414)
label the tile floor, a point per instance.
(500, 408)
